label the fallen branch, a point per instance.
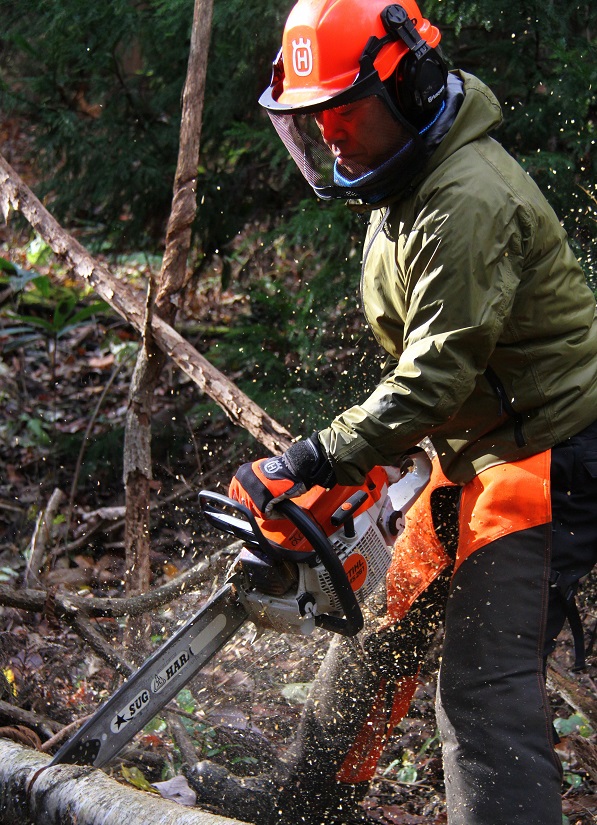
(68, 605)
(586, 753)
(42, 536)
(573, 692)
(182, 739)
(16, 195)
(32, 793)
(96, 642)
(86, 435)
(106, 514)
(33, 720)
(63, 734)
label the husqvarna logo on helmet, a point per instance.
(302, 57)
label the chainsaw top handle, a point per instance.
(216, 509)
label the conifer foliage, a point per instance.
(541, 61)
(98, 86)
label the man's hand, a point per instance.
(260, 485)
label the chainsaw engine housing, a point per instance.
(288, 594)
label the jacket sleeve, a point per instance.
(458, 266)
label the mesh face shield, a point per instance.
(362, 149)
(348, 143)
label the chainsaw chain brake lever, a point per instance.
(216, 508)
(247, 529)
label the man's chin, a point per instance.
(351, 167)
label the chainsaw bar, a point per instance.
(156, 682)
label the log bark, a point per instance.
(32, 793)
(572, 691)
(240, 409)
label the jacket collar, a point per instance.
(472, 110)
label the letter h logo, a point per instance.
(302, 57)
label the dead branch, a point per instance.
(42, 536)
(151, 359)
(63, 733)
(106, 514)
(68, 605)
(33, 720)
(86, 435)
(33, 793)
(182, 739)
(96, 642)
(16, 195)
(11, 508)
(573, 692)
(586, 753)
(184, 201)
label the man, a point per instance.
(470, 286)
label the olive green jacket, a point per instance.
(471, 287)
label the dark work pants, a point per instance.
(500, 765)
(503, 615)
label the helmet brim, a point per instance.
(310, 100)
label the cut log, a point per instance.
(32, 793)
(572, 691)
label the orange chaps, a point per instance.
(496, 563)
(498, 502)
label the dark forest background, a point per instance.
(90, 110)
(96, 88)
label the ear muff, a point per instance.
(421, 87)
(421, 76)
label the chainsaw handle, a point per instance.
(247, 529)
(353, 621)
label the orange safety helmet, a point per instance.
(337, 52)
(324, 42)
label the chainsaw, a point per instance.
(312, 565)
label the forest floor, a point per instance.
(56, 381)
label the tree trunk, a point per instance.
(151, 360)
(31, 793)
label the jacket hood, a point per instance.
(478, 113)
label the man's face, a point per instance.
(361, 135)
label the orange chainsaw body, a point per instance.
(321, 505)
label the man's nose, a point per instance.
(331, 125)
